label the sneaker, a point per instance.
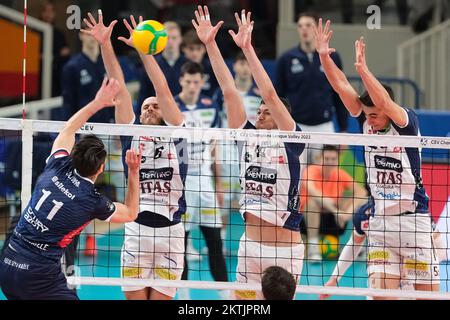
(90, 248)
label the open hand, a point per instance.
(244, 37)
(107, 94)
(205, 30)
(360, 48)
(129, 40)
(98, 30)
(323, 37)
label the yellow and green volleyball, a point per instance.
(329, 247)
(149, 37)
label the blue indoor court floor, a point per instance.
(107, 264)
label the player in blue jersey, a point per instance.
(63, 202)
(154, 243)
(400, 233)
(270, 171)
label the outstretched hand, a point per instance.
(107, 94)
(129, 40)
(244, 37)
(205, 30)
(360, 48)
(323, 37)
(98, 30)
(133, 160)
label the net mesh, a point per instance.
(216, 253)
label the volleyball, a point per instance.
(329, 247)
(149, 37)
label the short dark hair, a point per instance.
(191, 68)
(88, 155)
(328, 147)
(278, 284)
(367, 100)
(190, 38)
(240, 56)
(310, 14)
(286, 103)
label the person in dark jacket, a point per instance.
(301, 80)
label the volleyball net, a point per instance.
(332, 190)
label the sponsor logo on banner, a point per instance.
(165, 174)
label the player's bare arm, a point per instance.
(106, 97)
(129, 211)
(170, 111)
(102, 34)
(207, 34)
(377, 92)
(243, 40)
(335, 76)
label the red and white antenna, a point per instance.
(24, 77)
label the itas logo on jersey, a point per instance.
(165, 174)
(263, 175)
(388, 163)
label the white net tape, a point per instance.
(30, 128)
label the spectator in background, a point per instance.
(170, 62)
(61, 52)
(328, 199)
(300, 78)
(194, 50)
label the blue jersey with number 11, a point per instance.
(62, 205)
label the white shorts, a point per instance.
(403, 246)
(153, 253)
(201, 204)
(254, 258)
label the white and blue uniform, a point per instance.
(229, 153)
(200, 191)
(400, 233)
(154, 243)
(270, 184)
(61, 206)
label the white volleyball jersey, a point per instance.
(270, 180)
(394, 173)
(161, 177)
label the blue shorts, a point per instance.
(22, 277)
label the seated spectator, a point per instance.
(328, 199)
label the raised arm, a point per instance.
(128, 211)
(377, 92)
(335, 76)
(102, 34)
(233, 101)
(243, 39)
(169, 108)
(105, 97)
